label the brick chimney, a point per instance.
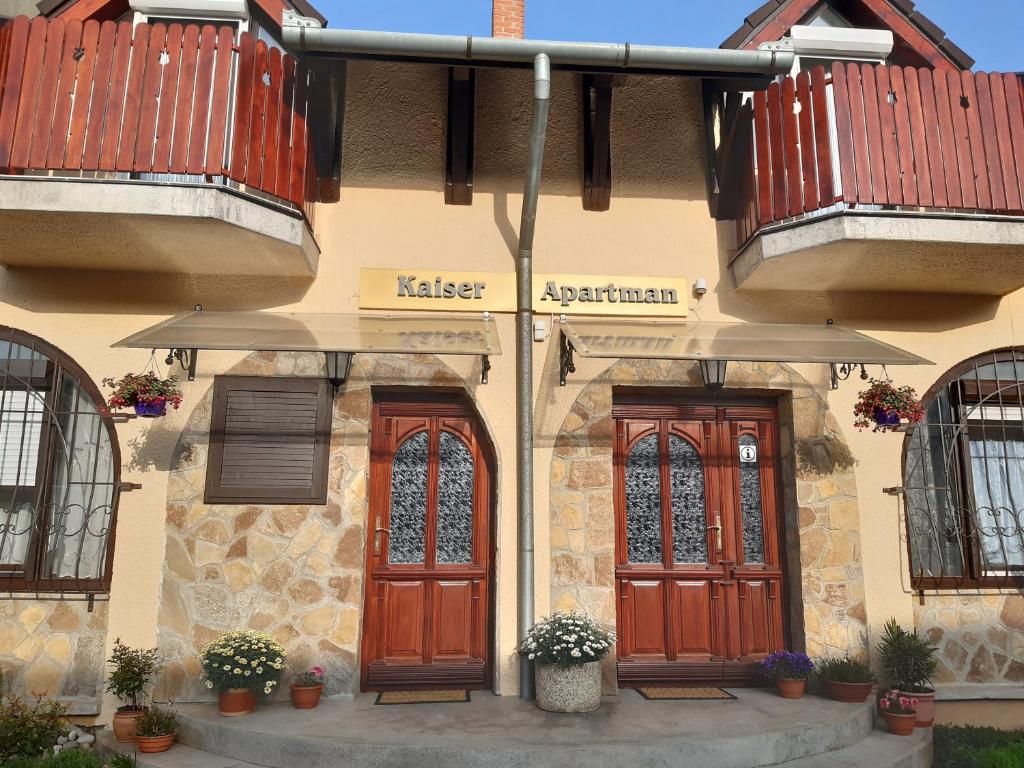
(508, 18)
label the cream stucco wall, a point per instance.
(391, 214)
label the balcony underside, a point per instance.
(53, 222)
(886, 251)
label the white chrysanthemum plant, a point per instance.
(567, 639)
(244, 659)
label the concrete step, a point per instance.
(757, 729)
(879, 750)
(872, 750)
(178, 756)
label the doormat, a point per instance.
(457, 696)
(662, 693)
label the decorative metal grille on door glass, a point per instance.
(58, 473)
(409, 515)
(964, 478)
(644, 498)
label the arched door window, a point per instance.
(59, 471)
(964, 477)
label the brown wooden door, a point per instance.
(698, 576)
(427, 613)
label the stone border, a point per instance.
(294, 571)
(818, 499)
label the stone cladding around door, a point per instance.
(980, 636)
(818, 499)
(293, 571)
(54, 647)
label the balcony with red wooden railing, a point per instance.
(901, 143)
(157, 104)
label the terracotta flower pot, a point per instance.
(124, 724)
(851, 693)
(925, 707)
(900, 725)
(791, 689)
(236, 702)
(153, 744)
(306, 696)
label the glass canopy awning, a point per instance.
(704, 340)
(257, 331)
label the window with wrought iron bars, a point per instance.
(59, 473)
(963, 479)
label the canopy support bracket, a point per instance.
(186, 358)
(566, 363)
(485, 368)
(842, 371)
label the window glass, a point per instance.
(409, 501)
(57, 473)
(964, 477)
(750, 502)
(454, 501)
(689, 520)
(643, 502)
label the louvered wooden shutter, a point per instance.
(269, 440)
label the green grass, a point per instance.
(970, 747)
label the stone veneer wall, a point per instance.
(54, 647)
(822, 529)
(980, 637)
(294, 571)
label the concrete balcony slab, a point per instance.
(150, 226)
(886, 251)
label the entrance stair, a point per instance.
(757, 730)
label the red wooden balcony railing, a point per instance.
(155, 99)
(889, 137)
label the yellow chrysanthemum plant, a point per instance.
(244, 658)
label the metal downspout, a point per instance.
(524, 361)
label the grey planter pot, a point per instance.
(569, 689)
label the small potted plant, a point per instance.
(789, 670)
(147, 393)
(132, 670)
(239, 664)
(308, 687)
(156, 730)
(883, 407)
(909, 663)
(845, 679)
(899, 711)
(567, 649)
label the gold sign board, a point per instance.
(420, 290)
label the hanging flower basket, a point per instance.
(883, 407)
(146, 393)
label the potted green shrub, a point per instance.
(567, 649)
(132, 669)
(789, 670)
(308, 687)
(883, 407)
(146, 393)
(899, 711)
(909, 663)
(845, 679)
(156, 730)
(239, 664)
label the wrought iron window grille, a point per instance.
(59, 475)
(963, 480)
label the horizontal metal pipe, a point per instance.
(467, 48)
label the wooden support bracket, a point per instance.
(597, 155)
(458, 174)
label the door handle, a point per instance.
(376, 538)
(717, 527)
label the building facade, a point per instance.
(361, 505)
